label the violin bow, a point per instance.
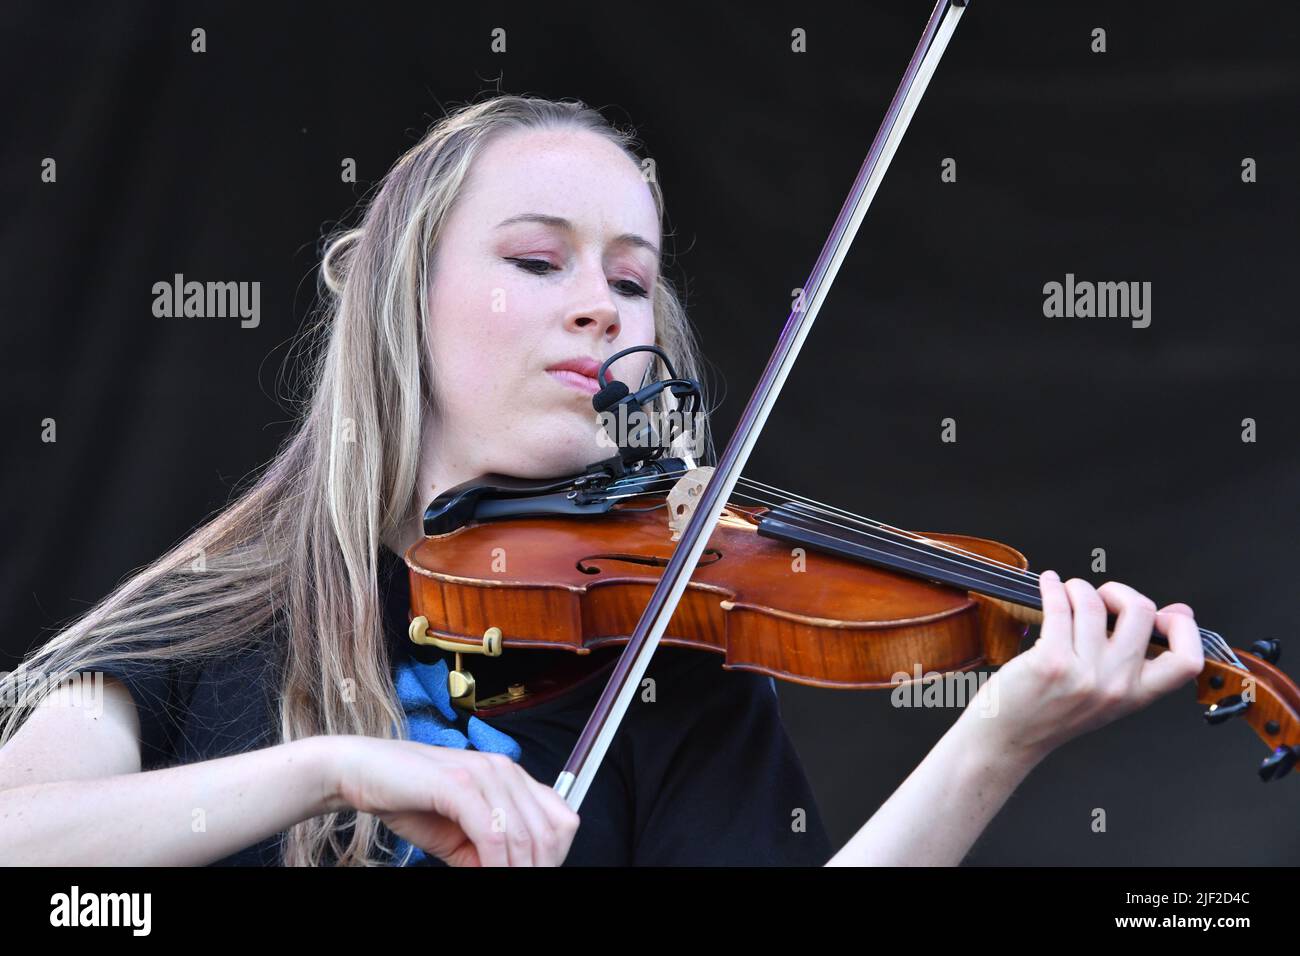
(605, 719)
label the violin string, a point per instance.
(1016, 577)
(1019, 573)
(954, 557)
(1212, 642)
(1016, 573)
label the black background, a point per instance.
(1072, 433)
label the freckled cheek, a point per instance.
(501, 306)
(478, 368)
(481, 344)
(640, 329)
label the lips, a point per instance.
(579, 373)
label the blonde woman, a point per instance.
(252, 711)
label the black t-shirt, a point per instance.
(704, 774)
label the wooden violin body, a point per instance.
(577, 585)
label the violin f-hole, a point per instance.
(647, 560)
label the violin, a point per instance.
(646, 547)
(786, 587)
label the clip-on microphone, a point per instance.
(621, 402)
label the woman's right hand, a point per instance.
(465, 807)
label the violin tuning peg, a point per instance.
(1277, 764)
(1226, 708)
(1269, 650)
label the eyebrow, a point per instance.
(559, 222)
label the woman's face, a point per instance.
(550, 255)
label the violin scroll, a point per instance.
(1261, 695)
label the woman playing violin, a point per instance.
(252, 711)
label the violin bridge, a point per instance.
(684, 497)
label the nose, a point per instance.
(594, 310)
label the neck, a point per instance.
(443, 465)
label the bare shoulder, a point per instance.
(75, 733)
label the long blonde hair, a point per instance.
(295, 554)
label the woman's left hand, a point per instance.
(1076, 677)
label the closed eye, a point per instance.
(539, 267)
(535, 266)
(632, 290)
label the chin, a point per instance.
(561, 449)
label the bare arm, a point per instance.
(1074, 679)
(71, 793)
(940, 810)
